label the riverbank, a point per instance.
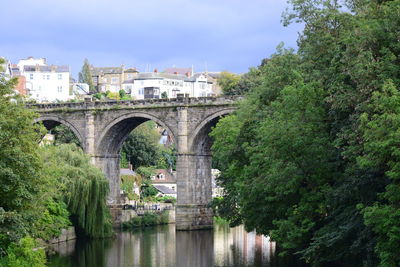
(148, 219)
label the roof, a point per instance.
(126, 172)
(130, 70)
(106, 70)
(165, 190)
(55, 68)
(182, 71)
(168, 177)
(197, 75)
(159, 75)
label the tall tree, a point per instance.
(344, 208)
(21, 181)
(85, 76)
(229, 83)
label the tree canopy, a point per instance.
(310, 157)
(85, 76)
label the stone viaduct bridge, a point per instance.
(102, 128)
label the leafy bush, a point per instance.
(54, 218)
(148, 219)
(165, 199)
(24, 254)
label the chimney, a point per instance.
(187, 74)
(155, 70)
(37, 67)
(176, 73)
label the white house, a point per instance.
(165, 182)
(45, 82)
(157, 85)
(200, 85)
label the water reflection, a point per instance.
(162, 246)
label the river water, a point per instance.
(163, 246)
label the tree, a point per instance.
(228, 82)
(85, 76)
(381, 129)
(19, 159)
(164, 95)
(21, 182)
(64, 135)
(322, 101)
(82, 186)
(142, 147)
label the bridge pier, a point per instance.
(194, 192)
(109, 164)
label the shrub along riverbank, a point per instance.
(148, 219)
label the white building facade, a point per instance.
(158, 85)
(45, 82)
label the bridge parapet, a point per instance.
(146, 103)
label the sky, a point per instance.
(212, 35)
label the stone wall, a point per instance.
(66, 235)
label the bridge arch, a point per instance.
(115, 133)
(199, 141)
(49, 122)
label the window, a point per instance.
(60, 76)
(130, 76)
(44, 77)
(141, 91)
(31, 76)
(48, 77)
(114, 80)
(59, 89)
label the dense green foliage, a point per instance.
(21, 182)
(64, 135)
(42, 188)
(148, 219)
(82, 186)
(24, 254)
(228, 83)
(232, 84)
(142, 147)
(311, 157)
(128, 182)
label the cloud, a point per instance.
(228, 34)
